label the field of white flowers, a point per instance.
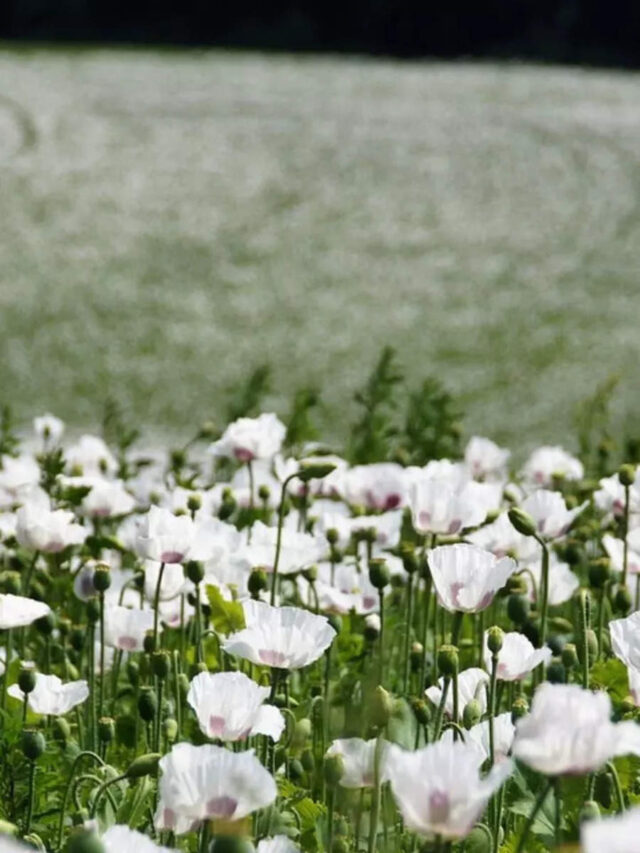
(247, 642)
(172, 220)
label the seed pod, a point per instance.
(33, 744)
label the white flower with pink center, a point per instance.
(466, 578)
(472, 684)
(613, 834)
(17, 611)
(517, 657)
(439, 789)
(380, 486)
(38, 528)
(440, 506)
(51, 696)
(280, 637)
(547, 463)
(485, 459)
(165, 537)
(125, 627)
(251, 438)
(230, 706)
(550, 513)
(207, 782)
(358, 756)
(569, 731)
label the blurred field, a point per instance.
(169, 220)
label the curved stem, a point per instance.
(102, 789)
(85, 754)
(616, 783)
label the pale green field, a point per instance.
(169, 220)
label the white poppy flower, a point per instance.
(51, 695)
(562, 581)
(613, 834)
(350, 590)
(122, 839)
(569, 731)
(251, 438)
(40, 529)
(230, 706)
(84, 589)
(281, 637)
(466, 578)
(547, 462)
(439, 789)
(173, 581)
(615, 551)
(107, 498)
(550, 513)
(277, 844)
(297, 550)
(517, 657)
(359, 757)
(205, 782)
(502, 539)
(625, 642)
(380, 486)
(91, 457)
(439, 508)
(9, 844)
(16, 611)
(610, 497)
(19, 476)
(49, 428)
(125, 627)
(472, 684)
(485, 460)
(165, 537)
(478, 736)
(387, 526)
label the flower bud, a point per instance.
(133, 672)
(149, 644)
(27, 677)
(416, 656)
(471, 714)
(622, 600)
(160, 664)
(590, 811)
(447, 660)
(421, 711)
(33, 744)
(556, 673)
(194, 571)
(310, 574)
(93, 610)
(296, 770)
(518, 609)
(627, 474)
(84, 841)
(333, 769)
(183, 684)
(147, 704)
(519, 709)
(522, 521)
(230, 844)
(381, 708)
(143, 765)
(495, 639)
(599, 572)
(194, 502)
(315, 470)
(106, 729)
(257, 582)
(170, 729)
(101, 578)
(77, 638)
(409, 558)
(332, 536)
(570, 656)
(45, 624)
(516, 585)
(379, 573)
(307, 761)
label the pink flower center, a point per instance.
(127, 644)
(216, 726)
(221, 807)
(243, 454)
(171, 557)
(438, 807)
(271, 657)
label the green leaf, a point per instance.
(227, 616)
(610, 675)
(133, 808)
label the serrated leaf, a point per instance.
(610, 675)
(227, 616)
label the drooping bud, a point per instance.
(143, 765)
(333, 769)
(381, 707)
(522, 521)
(448, 660)
(315, 470)
(471, 714)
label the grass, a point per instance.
(170, 220)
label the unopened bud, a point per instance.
(622, 600)
(27, 677)
(627, 474)
(471, 714)
(590, 811)
(333, 769)
(33, 744)
(101, 578)
(522, 521)
(448, 660)
(258, 582)
(495, 639)
(194, 571)
(315, 470)
(170, 729)
(379, 573)
(421, 711)
(194, 502)
(332, 536)
(518, 609)
(519, 709)
(160, 664)
(599, 572)
(381, 707)
(570, 656)
(106, 729)
(147, 704)
(143, 765)
(556, 673)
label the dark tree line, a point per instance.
(580, 31)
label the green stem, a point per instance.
(156, 607)
(283, 495)
(616, 783)
(381, 641)
(625, 552)
(32, 779)
(332, 796)
(536, 808)
(7, 662)
(425, 633)
(102, 789)
(85, 754)
(178, 699)
(544, 593)
(407, 634)
(492, 707)
(102, 669)
(375, 807)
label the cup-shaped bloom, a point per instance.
(625, 642)
(546, 463)
(359, 756)
(297, 550)
(562, 581)
(478, 736)
(569, 731)
(125, 627)
(386, 527)
(107, 498)
(165, 537)
(550, 513)
(466, 577)
(610, 497)
(122, 839)
(380, 486)
(502, 539)
(485, 460)
(472, 684)
(40, 529)
(230, 706)
(517, 657)
(51, 695)
(251, 438)
(19, 477)
(615, 551)
(351, 589)
(207, 782)
(173, 581)
(49, 428)
(439, 789)
(16, 611)
(281, 637)
(439, 507)
(616, 834)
